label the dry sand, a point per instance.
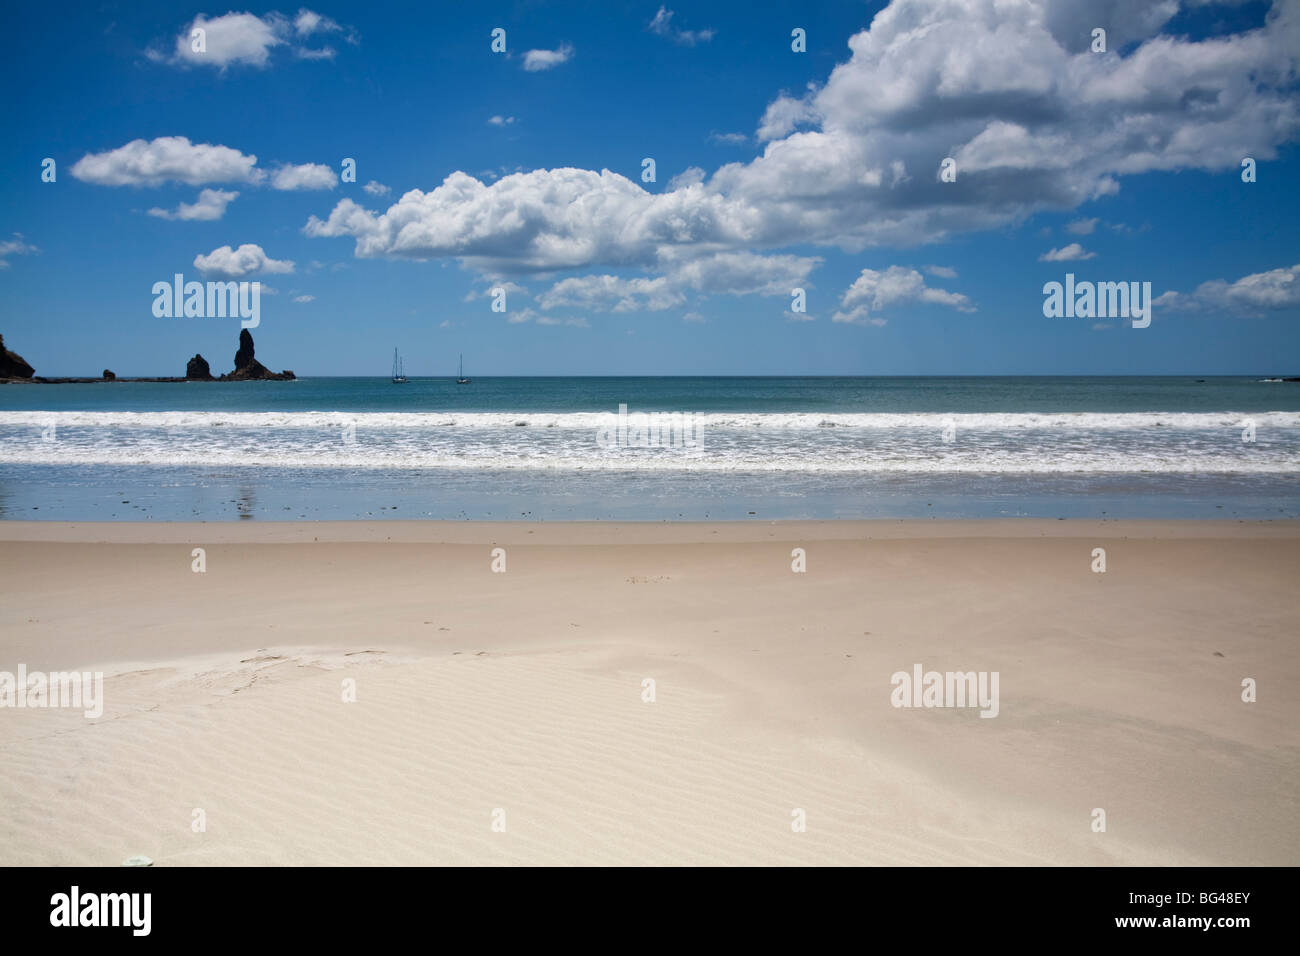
(522, 691)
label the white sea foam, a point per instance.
(1011, 443)
(593, 420)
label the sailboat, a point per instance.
(460, 377)
(399, 373)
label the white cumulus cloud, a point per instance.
(1009, 89)
(1253, 294)
(249, 259)
(727, 273)
(233, 38)
(305, 176)
(606, 293)
(167, 158)
(875, 290)
(245, 38)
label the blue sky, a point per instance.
(774, 169)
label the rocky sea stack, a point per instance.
(13, 365)
(198, 370)
(248, 368)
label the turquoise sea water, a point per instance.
(716, 394)
(693, 448)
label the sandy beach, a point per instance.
(517, 698)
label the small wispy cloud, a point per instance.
(729, 139)
(537, 60)
(1071, 253)
(662, 25)
(530, 315)
(211, 205)
(308, 22)
(17, 246)
(510, 288)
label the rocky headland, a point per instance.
(15, 370)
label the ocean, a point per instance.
(683, 449)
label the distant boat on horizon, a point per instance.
(399, 372)
(460, 377)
